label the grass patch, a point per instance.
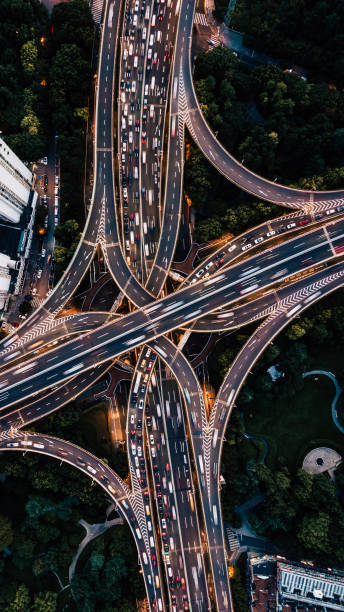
(298, 422)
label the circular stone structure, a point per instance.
(321, 459)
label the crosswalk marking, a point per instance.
(233, 540)
(200, 19)
(97, 10)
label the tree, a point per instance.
(21, 601)
(6, 532)
(208, 230)
(295, 331)
(28, 56)
(37, 505)
(66, 233)
(44, 602)
(30, 123)
(313, 532)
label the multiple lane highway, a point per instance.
(145, 97)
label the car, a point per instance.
(291, 225)
(219, 262)
(340, 208)
(104, 478)
(269, 234)
(331, 211)
(258, 240)
(80, 462)
(209, 265)
(151, 438)
(34, 291)
(281, 230)
(22, 316)
(62, 453)
(318, 216)
(246, 246)
(304, 222)
(39, 273)
(232, 247)
(144, 137)
(163, 524)
(199, 273)
(182, 582)
(43, 253)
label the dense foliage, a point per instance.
(45, 82)
(306, 32)
(70, 81)
(303, 514)
(276, 123)
(24, 66)
(41, 503)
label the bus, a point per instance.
(137, 382)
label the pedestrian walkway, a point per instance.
(233, 540)
(200, 19)
(97, 10)
(336, 397)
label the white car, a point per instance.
(209, 265)
(272, 233)
(246, 246)
(39, 273)
(232, 247)
(199, 274)
(258, 240)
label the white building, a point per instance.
(15, 184)
(6, 264)
(310, 586)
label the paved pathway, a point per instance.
(92, 531)
(246, 435)
(334, 401)
(246, 529)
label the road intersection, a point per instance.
(174, 450)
